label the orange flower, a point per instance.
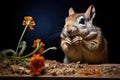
(28, 20)
(37, 64)
(41, 45)
(41, 51)
(36, 42)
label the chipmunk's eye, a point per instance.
(82, 21)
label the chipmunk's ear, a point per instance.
(90, 12)
(71, 11)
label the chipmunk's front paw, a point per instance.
(77, 40)
(93, 45)
(68, 41)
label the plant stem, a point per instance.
(28, 22)
(53, 48)
(22, 50)
(5, 52)
(37, 48)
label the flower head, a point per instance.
(28, 20)
(41, 45)
(36, 42)
(37, 64)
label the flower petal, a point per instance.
(37, 64)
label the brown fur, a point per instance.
(88, 50)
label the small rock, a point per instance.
(27, 71)
(14, 68)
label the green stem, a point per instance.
(22, 50)
(4, 52)
(23, 57)
(28, 22)
(53, 48)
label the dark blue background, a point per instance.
(49, 16)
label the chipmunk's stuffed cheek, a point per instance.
(83, 32)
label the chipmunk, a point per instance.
(81, 40)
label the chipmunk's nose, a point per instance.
(69, 31)
(72, 31)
